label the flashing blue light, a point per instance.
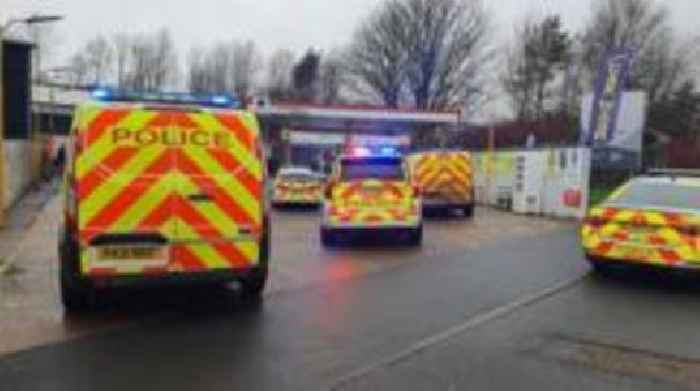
(217, 100)
(101, 93)
(389, 151)
(222, 100)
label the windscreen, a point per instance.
(659, 194)
(386, 169)
(298, 177)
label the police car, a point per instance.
(371, 191)
(653, 220)
(297, 186)
(162, 188)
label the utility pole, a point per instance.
(4, 28)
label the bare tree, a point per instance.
(447, 46)
(436, 49)
(99, 55)
(224, 67)
(164, 60)
(79, 67)
(305, 76)
(122, 57)
(541, 52)
(279, 74)
(93, 63)
(378, 55)
(246, 64)
(152, 62)
(332, 78)
(198, 75)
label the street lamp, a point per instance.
(4, 28)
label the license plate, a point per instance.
(371, 193)
(119, 255)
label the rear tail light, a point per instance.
(690, 230)
(416, 191)
(595, 221)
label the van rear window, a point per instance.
(358, 169)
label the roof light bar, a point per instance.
(183, 98)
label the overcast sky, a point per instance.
(296, 24)
(273, 24)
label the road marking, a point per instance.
(470, 323)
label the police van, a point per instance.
(371, 191)
(162, 188)
(445, 179)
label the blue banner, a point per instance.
(611, 82)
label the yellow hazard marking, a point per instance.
(243, 155)
(226, 181)
(94, 154)
(103, 196)
(146, 203)
(204, 251)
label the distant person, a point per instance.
(60, 160)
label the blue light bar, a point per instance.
(176, 98)
(361, 152)
(389, 151)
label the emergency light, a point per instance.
(382, 151)
(389, 151)
(361, 152)
(182, 98)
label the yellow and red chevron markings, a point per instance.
(136, 171)
(373, 203)
(447, 175)
(645, 236)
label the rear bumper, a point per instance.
(173, 279)
(641, 264)
(291, 202)
(363, 227)
(434, 204)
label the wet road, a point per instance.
(499, 302)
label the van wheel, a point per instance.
(75, 298)
(327, 237)
(253, 286)
(468, 211)
(77, 295)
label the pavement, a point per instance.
(502, 301)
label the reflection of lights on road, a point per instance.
(343, 268)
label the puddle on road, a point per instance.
(620, 360)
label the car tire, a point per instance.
(327, 237)
(468, 211)
(599, 267)
(416, 236)
(76, 294)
